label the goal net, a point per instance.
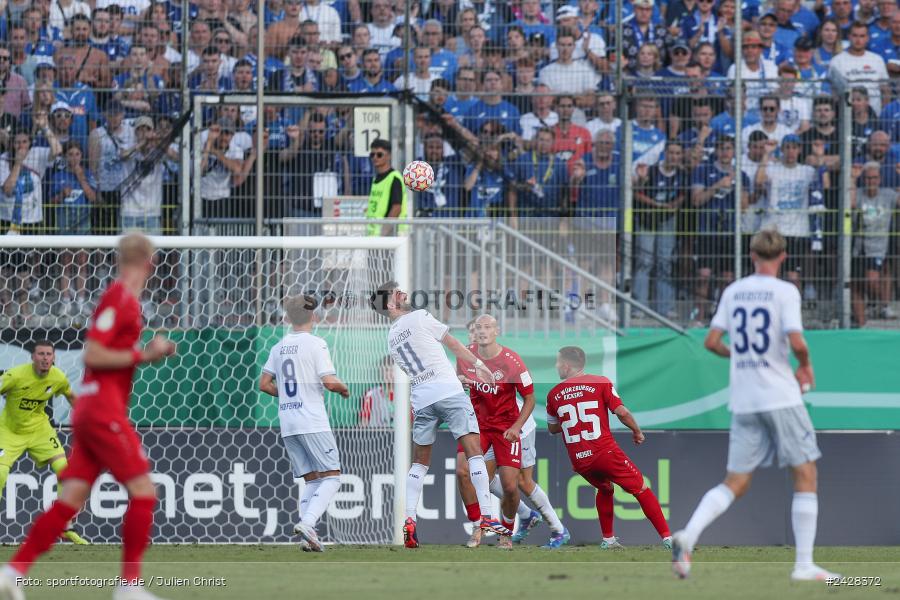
(211, 436)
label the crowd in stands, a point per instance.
(519, 107)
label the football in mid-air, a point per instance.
(418, 176)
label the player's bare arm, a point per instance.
(513, 433)
(804, 373)
(714, 343)
(627, 419)
(554, 428)
(267, 385)
(462, 353)
(333, 384)
(98, 356)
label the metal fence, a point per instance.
(630, 174)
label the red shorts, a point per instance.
(613, 465)
(104, 442)
(506, 454)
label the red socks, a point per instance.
(136, 535)
(508, 523)
(605, 509)
(473, 511)
(651, 508)
(43, 534)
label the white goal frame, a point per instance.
(402, 274)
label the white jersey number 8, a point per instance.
(578, 414)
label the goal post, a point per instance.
(210, 435)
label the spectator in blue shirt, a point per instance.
(462, 101)
(348, 65)
(443, 62)
(273, 69)
(486, 183)
(206, 78)
(443, 198)
(139, 90)
(881, 28)
(72, 191)
(771, 49)
(713, 197)
(645, 134)
(888, 46)
(542, 192)
(115, 47)
(80, 98)
(373, 79)
(492, 107)
(531, 21)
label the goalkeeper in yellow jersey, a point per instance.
(24, 425)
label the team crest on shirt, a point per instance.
(498, 375)
(106, 319)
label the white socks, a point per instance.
(804, 514)
(478, 473)
(540, 500)
(497, 489)
(415, 479)
(309, 490)
(714, 503)
(320, 500)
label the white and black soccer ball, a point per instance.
(418, 176)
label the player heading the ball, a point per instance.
(761, 315)
(298, 372)
(104, 438)
(415, 343)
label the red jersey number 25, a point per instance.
(577, 414)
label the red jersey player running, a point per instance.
(104, 438)
(577, 408)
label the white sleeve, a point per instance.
(434, 327)
(551, 418)
(270, 367)
(720, 319)
(791, 317)
(324, 366)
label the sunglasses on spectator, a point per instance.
(223, 40)
(345, 55)
(4, 57)
(768, 108)
(376, 154)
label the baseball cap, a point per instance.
(803, 43)
(643, 3)
(680, 43)
(143, 122)
(60, 106)
(44, 62)
(566, 11)
(791, 138)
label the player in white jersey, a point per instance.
(298, 372)
(416, 344)
(761, 315)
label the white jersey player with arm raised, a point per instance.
(416, 343)
(761, 315)
(298, 372)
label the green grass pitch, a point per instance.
(438, 572)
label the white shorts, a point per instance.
(312, 452)
(529, 450)
(456, 411)
(757, 439)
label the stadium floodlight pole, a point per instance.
(738, 146)
(845, 216)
